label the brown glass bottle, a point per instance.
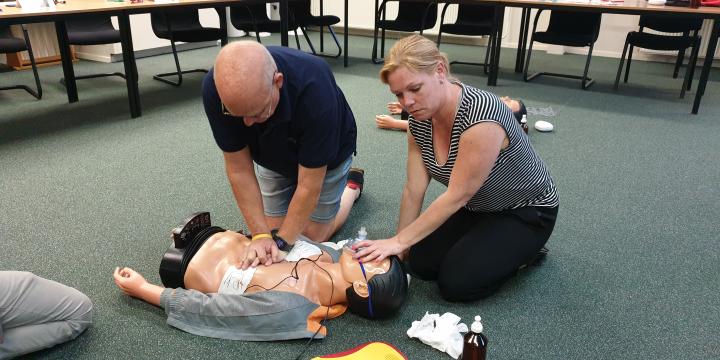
(474, 342)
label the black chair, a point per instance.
(300, 10)
(92, 30)
(11, 44)
(254, 18)
(474, 20)
(566, 28)
(412, 16)
(689, 38)
(181, 25)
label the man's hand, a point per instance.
(261, 251)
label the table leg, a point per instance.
(522, 41)
(496, 45)
(284, 13)
(322, 33)
(222, 14)
(707, 64)
(131, 76)
(345, 35)
(66, 56)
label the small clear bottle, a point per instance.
(474, 342)
(523, 123)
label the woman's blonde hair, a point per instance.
(416, 53)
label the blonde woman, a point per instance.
(500, 205)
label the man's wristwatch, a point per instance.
(279, 241)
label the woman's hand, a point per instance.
(129, 281)
(378, 250)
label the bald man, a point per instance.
(288, 136)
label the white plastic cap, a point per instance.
(362, 234)
(524, 119)
(476, 327)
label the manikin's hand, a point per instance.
(261, 251)
(129, 281)
(394, 108)
(369, 250)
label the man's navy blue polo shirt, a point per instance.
(312, 126)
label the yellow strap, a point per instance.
(261, 236)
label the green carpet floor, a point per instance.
(633, 266)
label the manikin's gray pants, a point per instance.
(37, 313)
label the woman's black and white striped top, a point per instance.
(518, 178)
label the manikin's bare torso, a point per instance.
(222, 250)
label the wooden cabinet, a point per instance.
(44, 44)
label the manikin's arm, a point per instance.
(226, 316)
(135, 285)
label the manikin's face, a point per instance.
(351, 268)
(258, 108)
(418, 92)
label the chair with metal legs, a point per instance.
(566, 28)
(688, 37)
(412, 16)
(11, 44)
(92, 30)
(181, 25)
(304, 18)
(473, 20)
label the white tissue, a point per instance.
(337, 246)
(440, 332)
(302, 250)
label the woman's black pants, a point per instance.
(473, 253)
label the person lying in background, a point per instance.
(394, 108)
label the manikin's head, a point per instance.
(517, 107)
(378, 289)
(248, 81)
